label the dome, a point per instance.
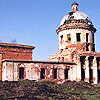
(76, 20)
(75, 15)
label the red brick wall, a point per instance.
(16, 53)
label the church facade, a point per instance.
(75, 60)
(16, 64)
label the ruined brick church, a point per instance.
(75, 60)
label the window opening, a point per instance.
(87, 37)
(87, 47)
(61, 37)
(66, 73)
(93, 47)
(78, 37)
(93, 37)
(55, 73)
(42, 73)
(68, 37)
(21, 73)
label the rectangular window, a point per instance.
(21, 73)
(42, 73)
(78, 37)
(87, 37)
(68, 37)
(87, 47)
(93, 47)
(61, 37)
(66, 73)
(55, 73)
(93, 37)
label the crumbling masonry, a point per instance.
(76, 59)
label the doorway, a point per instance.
(21, 73)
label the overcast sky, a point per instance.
(34, 22)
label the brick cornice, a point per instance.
(76, 24)
(10, 45)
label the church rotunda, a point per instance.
(77, 44)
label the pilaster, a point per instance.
(94, 70)
(78, 70)
(61, 73)
(86, 69)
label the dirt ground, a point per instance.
(46, 90)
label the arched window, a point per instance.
(21, 73)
